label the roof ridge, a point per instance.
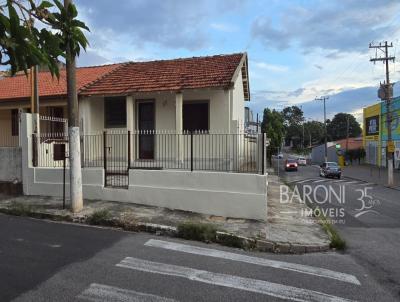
(119, 66)
(186, 58)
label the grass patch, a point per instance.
(19, 209)
(100, 217)
(197, 231)
(336, 241)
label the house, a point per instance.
(166, 133)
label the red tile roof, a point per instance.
(18, 87)
(168, 75)
(124, 78)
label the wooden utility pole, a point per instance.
(385, 93)
(324, 98)
(73, 128)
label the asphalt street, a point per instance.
(371, 221)
(48, 261)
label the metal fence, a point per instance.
(117, 152)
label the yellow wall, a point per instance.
(372, 110)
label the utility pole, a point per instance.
(302, 138)
(324, 98)
(73, 128)
(385, 93)
(347, 132)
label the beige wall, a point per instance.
(6, 139)
(164, 109)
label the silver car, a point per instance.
(330, 169)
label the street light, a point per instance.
(324, 98)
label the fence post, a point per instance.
(105, 157)
(191, 151)
(34, 150)
(129, 149)
(263, 154)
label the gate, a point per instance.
(116, 159)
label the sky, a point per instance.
(298, 49)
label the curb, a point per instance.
(397, 188)
(223, 238)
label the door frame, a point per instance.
(137, 144)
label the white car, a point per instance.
(301, 161)
(280, 155)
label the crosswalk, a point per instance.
(101, 292)
(345, 181)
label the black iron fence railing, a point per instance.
(117, 152)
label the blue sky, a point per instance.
(298, 49)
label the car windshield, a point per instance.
(331, 164)
(291, 160)
(301, 158)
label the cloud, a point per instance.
(318, 66)
(168, 23)
(269, 67)
(224, 27)
(335, 25)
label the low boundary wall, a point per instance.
(235, 195)
(10, 164)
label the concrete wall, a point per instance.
(10, 164)
(214, 193)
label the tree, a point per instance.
(273, 126)
(313, 130)
(24, 43)
(337, 128)
(293, 119)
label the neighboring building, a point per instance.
(375, 132)
(251, 126)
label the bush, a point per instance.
(197, 231)
(100, 217)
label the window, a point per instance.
(14, 122)
(195, 116)
(115, 112)
(55, 126)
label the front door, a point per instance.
(146, 128)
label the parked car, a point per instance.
(301, 161)
(330, 169)
(280, 155)
(291, 164)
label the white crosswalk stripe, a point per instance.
(305, 269)
(339, 181)
(100, 292)
(246, 284)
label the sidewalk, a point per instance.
(284, 232)
(372, 174)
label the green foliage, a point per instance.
(293, 120)
(23, 44)
(19, 209)
(273, 126)
(337, 128)
(313, 130)
(197, 231)
(100, 217)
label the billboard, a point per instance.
(395, 111)
(372, 125)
